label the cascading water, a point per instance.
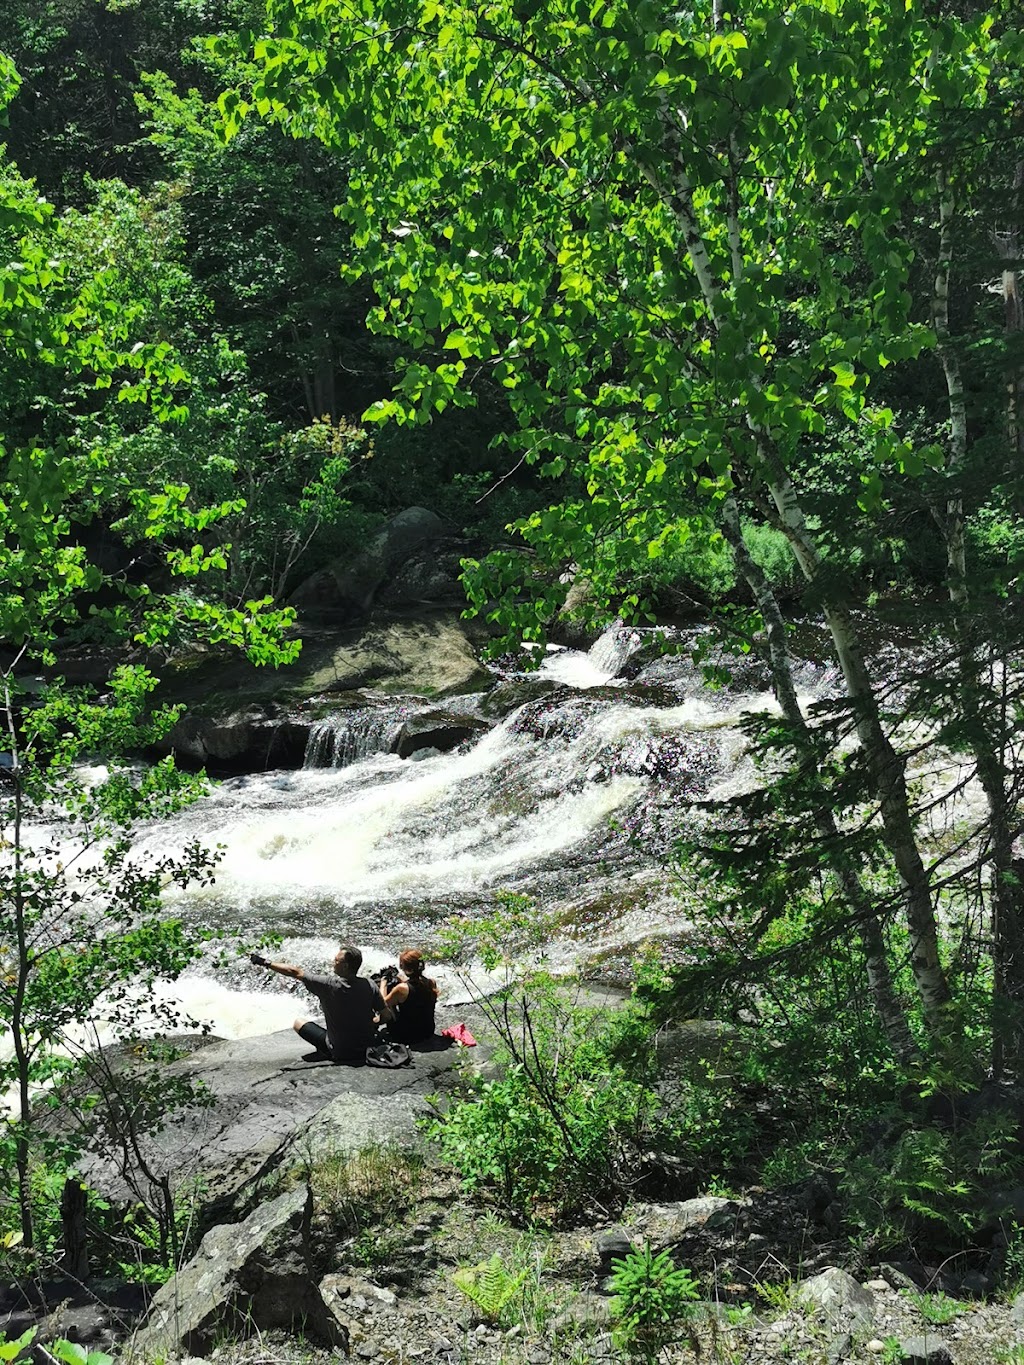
(337, 740)
(572, 798)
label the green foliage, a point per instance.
(937, 1181)
(10, 1350)
(490, 1286)
(652, 1302)
(72, 1354)
(558, 1130)
(67, 1351)
(937, 1309)
(1012, 1274)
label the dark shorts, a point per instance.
(317, 1035)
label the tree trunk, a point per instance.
(987, 748)
(884, 764)
(890, 1011)
(73, 1203)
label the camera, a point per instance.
(388, 975)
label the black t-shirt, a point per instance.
(349, 1010)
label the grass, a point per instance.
(363, 1194)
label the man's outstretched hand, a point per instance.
(258, 960)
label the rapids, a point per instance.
(574, 797)
(570, 798)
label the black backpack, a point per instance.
(388, 1055)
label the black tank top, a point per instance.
(414, 1017)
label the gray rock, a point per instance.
(437, 730)
(245, 1278)
(348, 586)
(613, 1245)
(925, 1351)
(664, 1225)
(839, 1348)
(268, 1106)
(571, 626)
(839, 1298)
(252, 739)
(1017, 1310)
(421, 755)
(904, 1275)
(588, 1313)
(430, 574)
(429, 655)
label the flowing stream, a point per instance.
(572, 796)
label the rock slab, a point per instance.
(246, 1277)
(839, 1298)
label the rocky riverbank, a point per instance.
(331, 1228)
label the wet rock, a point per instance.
(245, 1278)
(507, 697)
(437, 730)
(252, 739)
(839, 1298)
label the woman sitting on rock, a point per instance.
(411, 1000)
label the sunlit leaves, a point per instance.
(534, 187)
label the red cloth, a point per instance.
(460, 1033)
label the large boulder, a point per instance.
(435, 729)
(346, 588)
(251, 739)
(246, 1277)
(839, 1298)
(429, 655)
(266, 1104)
(429, 574)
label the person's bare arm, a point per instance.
(397, 995)
(282, 968)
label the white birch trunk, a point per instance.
(887, 1005)
(884, 763)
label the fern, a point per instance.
(489, 1286)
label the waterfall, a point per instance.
(615, 648)
(575, 797)
(342, 739)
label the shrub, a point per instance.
(556, 1132)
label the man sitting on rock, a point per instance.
(350, 1004)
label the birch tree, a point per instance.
(679, 239)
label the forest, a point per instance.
(701, 323)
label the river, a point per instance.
(575, 796)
